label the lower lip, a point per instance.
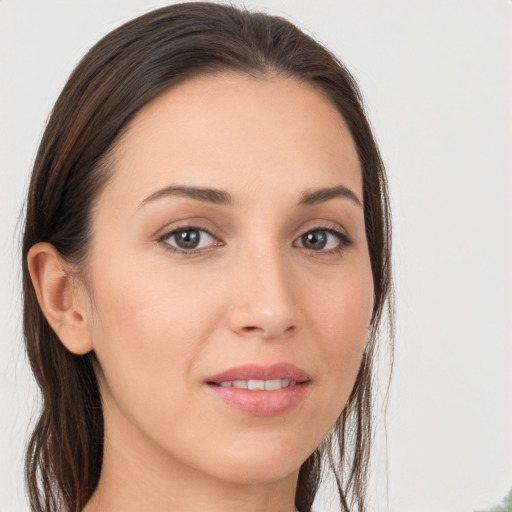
(261, 403)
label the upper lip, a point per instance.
(261, 372)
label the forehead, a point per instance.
(236, 132)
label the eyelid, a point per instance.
(345, 240)
(329, 227)
(187, 227)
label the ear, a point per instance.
(60, 300)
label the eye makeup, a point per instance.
(187, 240)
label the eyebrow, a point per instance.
(208, 195)
(221, 197)
(311, 197)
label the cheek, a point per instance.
(152, 306)
(339, 315)
(150, 327)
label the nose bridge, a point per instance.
(264, 303)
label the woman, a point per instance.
(206, 262)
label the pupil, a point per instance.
(315, 240)
(187, 239)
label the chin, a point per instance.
(261, 467)
(251, 474)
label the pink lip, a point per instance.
(261, 372)
(257, 402)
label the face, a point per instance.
(229, 250)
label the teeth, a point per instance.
(256, 384)
(261, 385)
(273, 384)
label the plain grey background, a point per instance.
(437, 79)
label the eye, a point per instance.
(188, 239)
(323, 239)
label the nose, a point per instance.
(264, 294)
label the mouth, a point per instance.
(260, 390)
(255, 374)
(256, 384)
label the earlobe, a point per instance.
(58, 298)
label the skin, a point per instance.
(161, 322)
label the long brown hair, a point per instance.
(116, 78)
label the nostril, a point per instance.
(251, 328)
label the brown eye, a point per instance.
(314, 240)
(325, 240)
(187, 239)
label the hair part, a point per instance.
(123, 72)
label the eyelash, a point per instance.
(344, 240)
